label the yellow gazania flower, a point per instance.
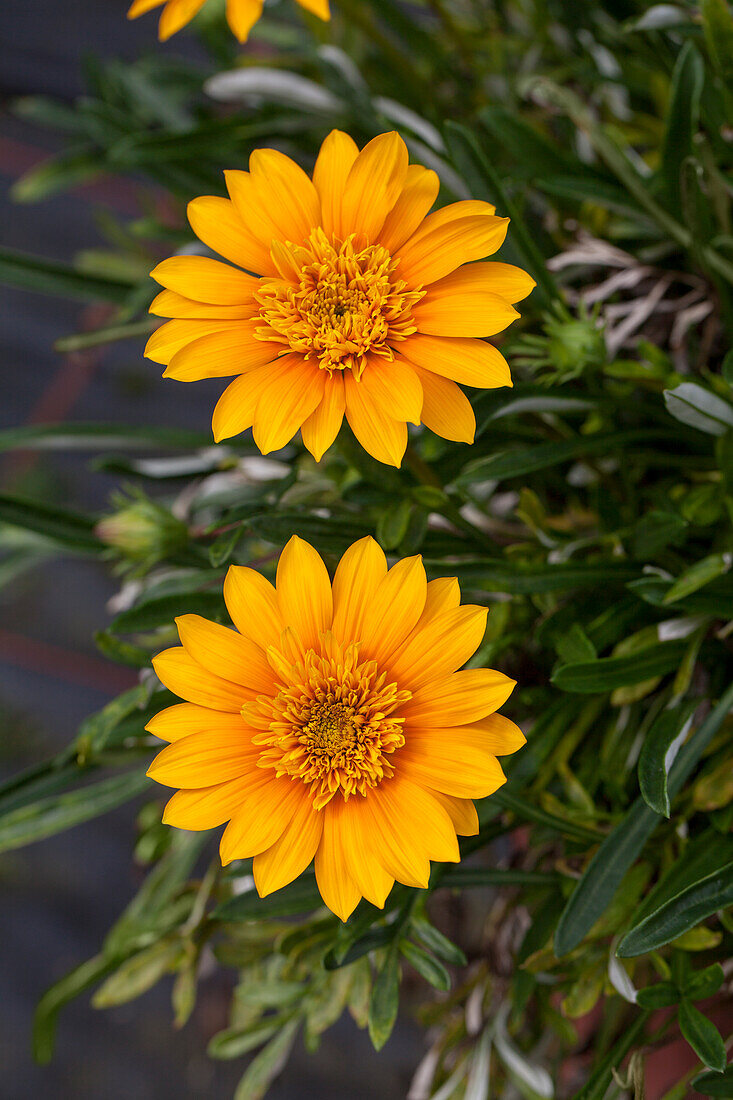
(361, 303)
(241, 14)
(334, 725)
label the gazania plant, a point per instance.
(419, 637)
(363, 303)
(321, 732)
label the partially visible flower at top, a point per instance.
(334, 725)
(140, 532)
(241, 14)
(353, 300)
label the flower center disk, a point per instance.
(332, 724)
(336, 302)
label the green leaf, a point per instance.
(661, 995)
(609, 673)
(701, 857)
(393, 523)
(471, 160)
(162, 610)
(682, 912)
(653, 763)
(52, 815)
(518, 579)
(703, 1036)
(233, 1042)
(526, 460)
(439, 944)
(263, 1069)
(374, 939)
(301, 896)
(426, 965)
(67, 529)
(682, 119)
(714, 1084)
(70, 986)
(699, 408)
(616, 854)
(91, 437)
(528, 811)
(50, 277)
(385, 998)
(717, 23)
(655, 531)
(697, 576)
(704, 983)
(459, 878)
(138, 974)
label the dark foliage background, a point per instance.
(589, 926)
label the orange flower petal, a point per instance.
(170, 338)
(262, 818)
(291, 853)
(304, 591)
(253, 605)
(418, 194)
(455, 306)
(461, 811)
(205, 280)
(242, 16)
(338, 889)
(440, 647)
(139, 7)
(225, 652)
(459, 699)
(294, 390)
(450, 765)
(393, 387)
(468, 361)
(324, 423)
(353, 824)
(395, 608)
(338, 153)
(443, 594)
(175, 15)
(184, 719)
(218, 223)
(188, 679)
(430, 256)
(235, 410)
(381, 436)
(233, 350)
(170, 304)
(317, 7)
(373, 185)
(358, 575)
(204, 759)
(446, 410)
(291, 198)
(207, 807)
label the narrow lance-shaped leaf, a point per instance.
(56, 813)
(658, 753)
(621, 847)
(703, 1036)
(685, 911)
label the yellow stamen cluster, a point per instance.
(336, 302)
(332, 724)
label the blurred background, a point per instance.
(62, 895)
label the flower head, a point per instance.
(348, 298)
(241, 14)
(334, 724)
